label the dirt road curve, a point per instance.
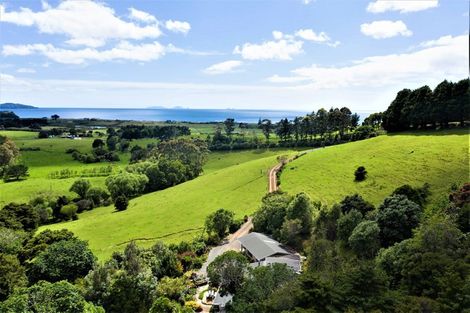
(273, 178)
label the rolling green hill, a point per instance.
(177, 213)
(52, 157)
(439, 158)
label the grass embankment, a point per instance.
(440, 158)
(177, 213)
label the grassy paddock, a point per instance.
(439, 158)
(177, 213)
(52, 157)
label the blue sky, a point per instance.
(284, 54)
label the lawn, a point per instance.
(177, 213)
(440, 158)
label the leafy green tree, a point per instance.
(301, 208)
(192, 153)
(121, 203)
(291, 232)
(219, 222)
(81, 187)
(435, 265)
(11, 241)
(97, 143)
(270, 216)
(19, 216)
(131, 293)
(355, 202)
(310, 293)
(229, 125)
(97, 195)
(259, 286)
(12, 275)
(62, 260)
(360, 174)
(417, 195)
(126, 184)
(355, 120)
(172, 288)
(397, 217)
(111, 142)
(228, 271)
(266, 127)
(459, 207)
(364, 239)
(162, 261)
(347, 223)
(69, 211)
(59, 297)
(325, 224)
(41, 241)
(165, 305)
(8, 151)
(15, 172)
(364, 288)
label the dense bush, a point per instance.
(360, 174)
(121, 203)
(62, 260)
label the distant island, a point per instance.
(12, 106)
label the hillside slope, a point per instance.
(174, 214)
(439, 158)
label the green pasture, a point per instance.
(440, 158)
(177, 213)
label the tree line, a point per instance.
(321, 128)
(423, 108)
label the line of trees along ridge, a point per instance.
(423, 108)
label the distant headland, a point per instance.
(12, 106)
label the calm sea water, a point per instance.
(187, 115)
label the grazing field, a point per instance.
(440, 158)
(177, 213)
(52, 157)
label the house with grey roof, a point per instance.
(263, 251)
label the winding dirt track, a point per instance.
(272, 187)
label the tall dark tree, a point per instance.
(229, 125)
(267, 128)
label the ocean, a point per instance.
(186, 115)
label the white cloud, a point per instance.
(403, 6)
(448, 60)
(310, 35)
(172, 49)
(283, 49)
(277, 35)
(385, 29)
(84, 22)
(442, 41)
(223, 67)
(141, 16)
(123, 51)
(284, 46)
(26, 70)
(177, 26)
